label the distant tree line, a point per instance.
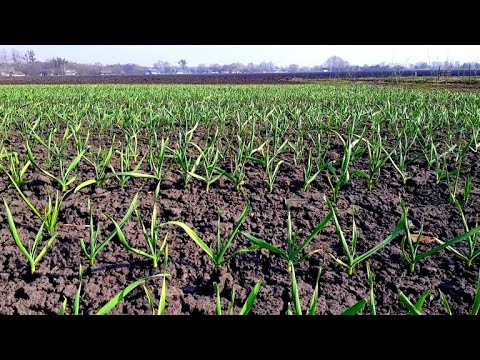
(332, 64)
(14, 62)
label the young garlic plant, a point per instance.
(94, 246)
(17, 169)
(110, 305)
(162, 304)
(238, 159)
(410, 248)
(156, 162)
(401, 152)
(251, 149)
(297, 305)
(452, 184)
(156, 249)
(49, 145)
(31, 252)
(182, 156)
(312, 309)
(126, 172)
(298, 148)
(100, 161)
(211, 157)
(50, 212)
(218, 256)
(376, 159)
(276, 133)
(432, 156)
(341, 178)
(441, 170)
(272, 165)
(475, 140)
(313, 169)
(309, 174)
(350, 250)
(470, 235)
(295, 253)
(452, 177)
(65, 178)
(76, 301)
(415, 309)
(131, 142)
(3, 151)
(371, 301)
(81, 143)
(247, 306)
(429, 149)
(467, 188)
(322, 150)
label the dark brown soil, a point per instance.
(190, 287)
(161, 79)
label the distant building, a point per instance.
(105, 72)
(181, 72)
(152, 71)
(3, 73)
(16, 73)
(70, 72)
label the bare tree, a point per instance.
(128, 69)
(58, 65)
(3, 59)
(15, 56)
(183, 64)
(3, 56)
(234, 68)
(216, 68)
(30, 56)
(201, 69)
(336, 64)
(163, 66)
(15, 59)
(266, 67)
(420, 66)
(251, 68)
(293, 68)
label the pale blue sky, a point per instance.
(279, 54)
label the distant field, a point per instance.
(130, 182)
(422, 83)
(454, 82)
